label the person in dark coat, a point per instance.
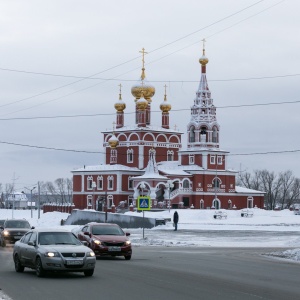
(175, 219)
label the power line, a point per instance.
(134, 80)
(153, 111)
(130, 60)
(146, 155)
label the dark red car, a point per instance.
(106, 239)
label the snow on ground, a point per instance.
(198, 228)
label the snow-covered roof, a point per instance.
(106, 167)
(151, 171)
(240, 189)
(173, 168)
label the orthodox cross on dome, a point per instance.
(204, 41)
(165, 98)
(175, 127)
(143, 76)
(114, 123)
(120, 94)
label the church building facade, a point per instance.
(144, 159)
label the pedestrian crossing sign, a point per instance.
(144, 203)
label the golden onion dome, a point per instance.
(141, 103)
(113, 141)
(165, 106)
(203, 60)
(147, 89)
(120, 105)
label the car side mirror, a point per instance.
(86, 233)
(32, 227)
(31, 243)
(127, 233)
(85, 243)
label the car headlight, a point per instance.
(51, 254)
(97, 242)
(90, 254)
(5, 232)
(127, 243)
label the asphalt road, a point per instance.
(163, 273)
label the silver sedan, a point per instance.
(53, 250)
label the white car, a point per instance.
(53, 250)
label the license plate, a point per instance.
(74, 262)
(114, 248)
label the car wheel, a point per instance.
(128, 257)
(88, 273)
(18, 266)
(40, 272)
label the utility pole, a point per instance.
(39, 200)
(13, 194)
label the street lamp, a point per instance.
(30, 198)
(143, 186)
(169, 185)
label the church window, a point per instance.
(216, 183)
(220, 160)
(110, 182)
(192, 134)
(90, 183)
(212, 159)
(100, 183)
(186, 184)
(109, 201)
(201, 204)
(89, 201)
(191, 159)
(214, 135)
(113, 156)
(130, 183)
(129, 155)
(170, 155)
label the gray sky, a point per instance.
(82, 38)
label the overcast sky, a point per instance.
(248, 39)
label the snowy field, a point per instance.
(198, 228)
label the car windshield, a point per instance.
(17, 224)
(57, 238)
(107, 230)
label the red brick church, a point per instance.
(146, 159)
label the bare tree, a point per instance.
(294, 193)
(271, 186)
(287, 179)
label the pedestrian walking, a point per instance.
(175, 219)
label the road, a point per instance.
(161, 273)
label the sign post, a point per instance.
(143, 203)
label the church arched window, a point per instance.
(90, 183)
(170, 155)
(215, 135)
(129, 155)
(216, 182)
(110, 182)
(186, 184)
(100, 182)
(192, 134)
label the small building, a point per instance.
(17, 200)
